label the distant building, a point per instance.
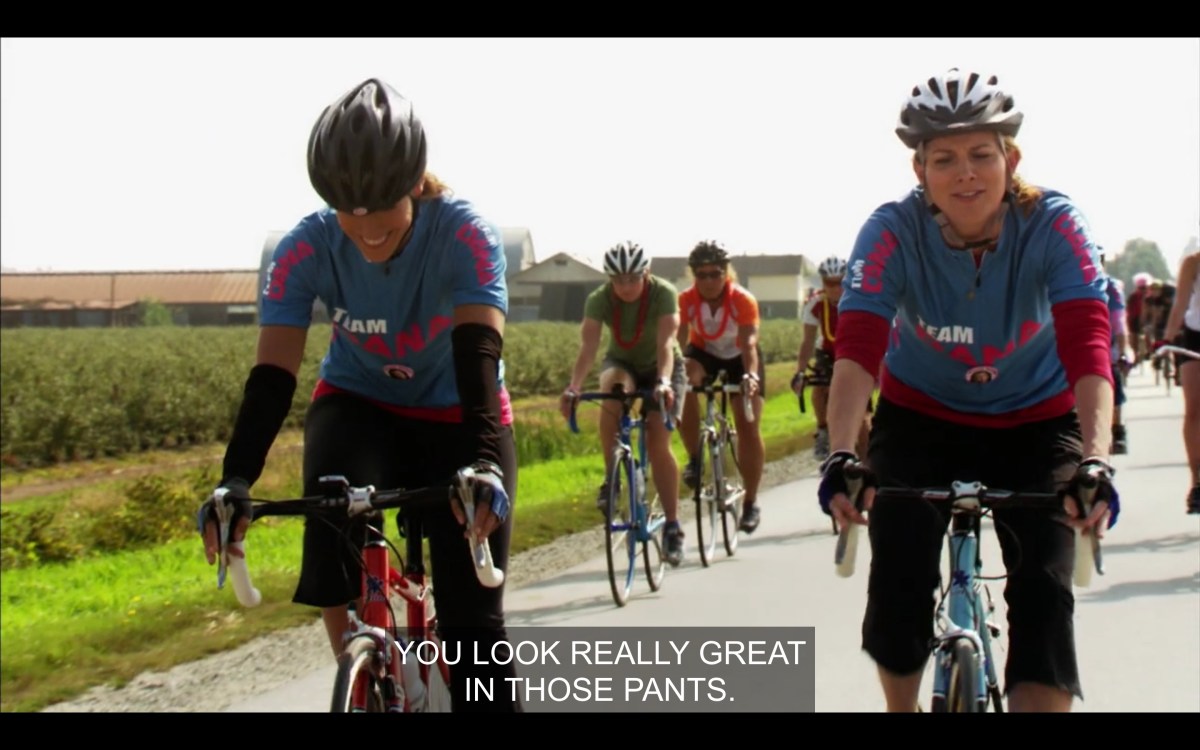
(103, 299)
(557, 288)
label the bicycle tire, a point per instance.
(619, 512)
(706, 504)
(652, 550)
(964, 675)
(731, 510)
(359, 660)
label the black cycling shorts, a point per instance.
(648, 380)
(907, 536)
(733, 367)
(1191, 342)
(347, 435)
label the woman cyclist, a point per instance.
(719, 330)
(820, 316)
(642, 313)
(984, 298)
(1184, 323)
(410, 389)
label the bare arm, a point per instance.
(668, 328)
(806, 348)
(281, 346)
(482, 314)
(747, 341)
(1094, 403)
(589, 336)
(849, 392)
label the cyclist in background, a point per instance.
(719, 331)
(642, 313)
(410, 390)
(1134, 304)
(1183, 324)
(820, 319)
(1120, 357)
(984, 299)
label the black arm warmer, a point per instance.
(477, 349)
(266, 402)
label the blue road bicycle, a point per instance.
(633, 518)
(965, 672)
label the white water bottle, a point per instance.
(640, 477)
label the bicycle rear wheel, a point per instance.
(361, 684)
(706, 501)
(732, 494)
(619, 536)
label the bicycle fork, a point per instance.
(967, 608)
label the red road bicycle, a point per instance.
(383, 667)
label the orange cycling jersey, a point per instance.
(715, 332)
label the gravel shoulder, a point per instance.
(217, 682)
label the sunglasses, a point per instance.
(707, 275)
(832, 282)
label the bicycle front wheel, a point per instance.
(706, 501)
(961, 698)
(619, 536)
(652, 551)
(359, 686)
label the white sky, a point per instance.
(146, 154)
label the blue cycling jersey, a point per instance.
(977, 340)
(391, 321)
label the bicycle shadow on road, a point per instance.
(1120, 591)
(1152, 545)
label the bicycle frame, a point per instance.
(628, 466)
(409, 677)
(717, 431)
(962, 612)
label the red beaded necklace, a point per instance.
(643, 308)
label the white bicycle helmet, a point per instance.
(625, 258)
(1142, 280)
(832, 266)
(957, 102)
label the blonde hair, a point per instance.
(432, 187)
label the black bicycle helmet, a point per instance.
(367, 149)
(957, 102)
(625, 258)
(708, 253)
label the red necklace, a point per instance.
(643, 307)
(725, 312)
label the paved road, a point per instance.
(1138, 626)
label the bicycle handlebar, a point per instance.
(355, 501)
(710, 388)
(1166, 349)
(626, 398)
(972, 496)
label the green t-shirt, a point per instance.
(660, 297)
